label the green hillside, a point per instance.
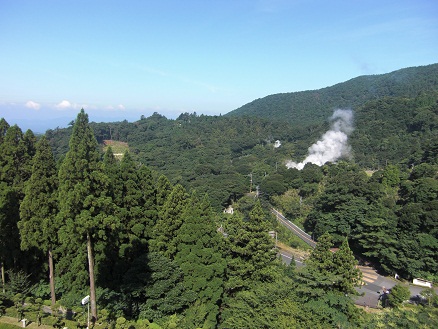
(215, 155)
(142, 229)
(315, 106)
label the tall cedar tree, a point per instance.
(250, 251)
(135, 200)
(169, 222)
(164, 187)
(15, 157)
(348, 275)
(155, 286)
(326, 271)
(39, 207)
(200, 258)
(317, 276)
(4, 125)
(85, 207)
(131, 210)
(111, 271)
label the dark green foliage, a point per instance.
(343, 203)
(169, 222)
(417, 226)
(156, 287)
(84, 206)
(16, 153)
(412, 318)
(18, 283)
(327, 271)
(294, 107)
(86, 209)
(199, 257)
(136, 212)
(267, 305)
(250, 251)
(38, 211)
(9, 237)
(158, 255)
(39, 206)
(399, 294)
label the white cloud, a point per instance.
(64, 105)
(121, 107)
(33, 105)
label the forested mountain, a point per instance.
(314, 106)
(222, 155)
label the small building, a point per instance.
(422, 282)
(229, 210)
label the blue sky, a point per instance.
(123, 59)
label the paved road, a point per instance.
(373, 283)
(294, 228)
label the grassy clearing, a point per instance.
(7, 322)
(119, 148)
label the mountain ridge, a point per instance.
(294, 106)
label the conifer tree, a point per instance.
(150, 208)
(14, 171)
(4, 125)
(169, 222)
(135, 209)
(163, 190)
(317, 276)
(14, 159)
(200, 258)
(39, 207)
(250, 251)
(85, 207)
(111, 168)
(348, 275)
(8, 231)
(328, 271)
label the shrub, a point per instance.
(398, 295)
(53, 321)
(71, 324)
(29, 300)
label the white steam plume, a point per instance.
(333, 144)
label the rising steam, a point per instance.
(333, 144)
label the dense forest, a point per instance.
(139, 232)
(314, 106)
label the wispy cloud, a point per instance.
(33, 105)
(64, 105)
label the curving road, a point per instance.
(294, 228)
(373, 283)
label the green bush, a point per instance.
(29, 300)
(41, 290)
(398, 295)
(53, 321)
(71, 324)
(154, 325)
(11, 311)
